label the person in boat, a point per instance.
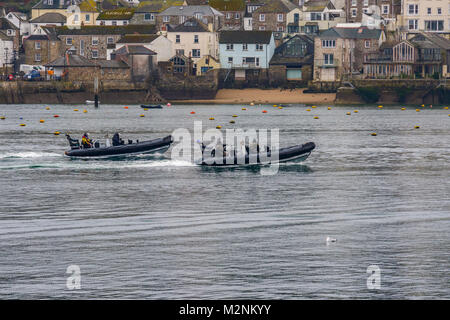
(85, 141)
(116, 139)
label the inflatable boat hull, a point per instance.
(295, 153)
(161, 144)
(151, 107)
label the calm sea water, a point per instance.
(150, 227)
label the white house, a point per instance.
(157, 43)
(47, 19)
(193, 39)
(6, 50)
(20, 21)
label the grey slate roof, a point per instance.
(190, 25)
(190, 11)
(105, 30)
(55, 4)
(249, 37)
(73, 61)
(138, 50)
(351, 33)
(138, 38)
(50, 17)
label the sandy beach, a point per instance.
(246, 96)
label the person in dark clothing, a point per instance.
(116, 139)
(85, 141)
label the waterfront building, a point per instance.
(339, 52)
(6, 52)
(177, 15)
(147, 11)
(272, 16)
(53, 6)
(319, 15)
(233, 10)
(46, 20)
(246, 52)
(41, 49)
(154, 42)
(20, 21)
(387, 10)
(142, 61)
(115, 17)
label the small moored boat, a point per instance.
(104, 149)
(295, 153)
(157, 106)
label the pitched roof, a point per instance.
(317, 5)
(135, 50)
(39, 37)
(249, 37)
(4, 37)
(114, 64)
(157, 5)
(190, 25)
(138, 38)
(50, 17)
(228, 5)
(116, 14)
(351, 33)
(276, 6)
(190, 11)
(435, 39)
(55, 4)
(88, 6)
(71, 60)
(105, 30)
(5, 24)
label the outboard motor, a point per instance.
(74, 143)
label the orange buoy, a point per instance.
(125, 107)
(41, 121)
(264, 111)
(55, 116)
(192, 112)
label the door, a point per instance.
(328, 74)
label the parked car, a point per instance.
(33, 75)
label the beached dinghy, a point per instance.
(158, 106)
(91, 102)
(295, 153)
(104, 149)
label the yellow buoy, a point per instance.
(417, 110)
(416, 127)
(211, 118)
(56, 133)
(47, 108)
(316, 117)
(280, 107)
(22, 124)
(2, 118)
(234, 116)
(41, 121)
(423, 105)
(308, 109)
(244, 109)
(145, 109)
(142, 115)
(373, 134)
(348, 113)
(445, 108)
(275, 106)
(219, 127)
(356, 111)
(313, 107)
(84, 111)
(380, 107)
(329, 108)
(232, 121)
(75, 109)
(403, 109)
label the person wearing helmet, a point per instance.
(85, 141)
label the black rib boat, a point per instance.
(158, 106)
(295, 153)
(160, 144)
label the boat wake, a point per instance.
(28, 155)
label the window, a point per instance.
(428, 10)
(328, 43)
(198, 16)
(280, 17)
(95, 41)
(366, 3)
(9, 32)
(37, 57)
(367, 43)
(50, 2)
(179, 52)
(147, 16)
(439, 10)
(237, 15)
(353, 3)
(75, 18)
(434, 25)
(262, 17)
(69, 41)
(354, 11)
(316, 16)
(328, 58)
(182, 19)
(413, 24)
(196, 38)
(280, 29)
(125, 22)
(114, 23)
(262, 28)
(259, 47)
(245, 47)
(37, 45)
(228, 15)
(87, 17)
(94, 54)
(177, 38)
(196, 53)
(230, 60)
(385, 9)
(413, 9)
(230, 46)
(166, 19)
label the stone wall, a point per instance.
(101, 46)
(49, 51)
(270, 22)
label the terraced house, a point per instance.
(115, 17)
(95, 42)
(147, 10)
(52, 6)
(233, 10)
(177, 15)
(272, 16)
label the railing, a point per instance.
(247, 65)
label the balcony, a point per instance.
(247, 65)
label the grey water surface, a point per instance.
(154, 228)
